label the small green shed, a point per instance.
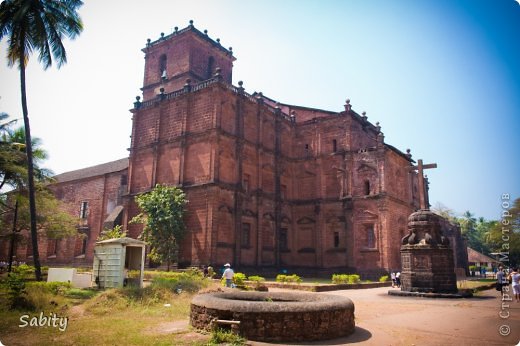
(114, 259)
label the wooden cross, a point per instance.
(423, 190)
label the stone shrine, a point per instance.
(426, 255)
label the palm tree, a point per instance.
(37, 25)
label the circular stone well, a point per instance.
(276, 316)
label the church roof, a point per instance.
(93, 171)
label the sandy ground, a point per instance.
(387, 320)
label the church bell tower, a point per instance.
(184, 54)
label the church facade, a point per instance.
(270, 185)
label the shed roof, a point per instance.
(122, 241)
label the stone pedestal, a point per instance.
(426, 257)
(427, 269)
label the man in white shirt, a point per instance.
(228, 275)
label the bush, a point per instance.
(257, 279)
(189, 281)
(239, 279)
(50, 287)
(15, 289)
(288, 278)
(345, 278)
(383, 278)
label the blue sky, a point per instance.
(442, 78)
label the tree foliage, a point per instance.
(51, 218)
(36, 25)
(114, 233)
(504, 237)
(162, 211)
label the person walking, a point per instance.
(398, 279)
(228, 275)
(501, 280)
(392, 276)
(514, 278)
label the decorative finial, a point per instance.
(161, 90)
(240, 83)
(231, 49)
(137, 102)
(348, 107)
(148, 42)
(205, 32)
(162, 35)
(176, 29)
(218, 40)
(191, 22)
(187, 85)
(408, 153)
(364, 116)
(378, 127)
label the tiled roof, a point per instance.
(104, 168)
(474, 256)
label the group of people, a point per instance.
(504, 278)
(396, 279)
(227, 274)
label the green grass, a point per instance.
(125, 316)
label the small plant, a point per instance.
(383, 278)
(221, 336)
(288, 278)
(116, 232)
(15, 289)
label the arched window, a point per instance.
(211, 64)
(162, 66)
(367, 187)
(334, 146)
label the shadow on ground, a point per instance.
(359, 335)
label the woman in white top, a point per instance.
(514, 277)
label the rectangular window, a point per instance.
(83, 210)
(334, 146)
(283, 191)
(336, 239)
(371, 239)
(246, 235)
(80, 247)
(284, 245)
(245, 182)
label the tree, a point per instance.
(37, 25)
(162, 214)
(14, 205)
(504, 237)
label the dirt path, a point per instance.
(387, 320)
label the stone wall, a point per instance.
(276, 317)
